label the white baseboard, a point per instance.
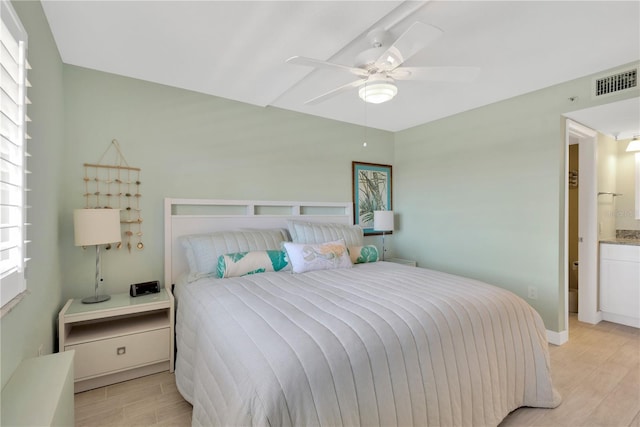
(557, 338)
(623, 320)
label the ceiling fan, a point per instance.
(379, 67)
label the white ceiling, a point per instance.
(237, 49)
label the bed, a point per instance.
(371, 343)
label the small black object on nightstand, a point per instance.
(144, 288)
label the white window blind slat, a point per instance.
(11, 110)
(9, 130)
(9, 86)
(9, 151)
(9, 63)
(9, 40)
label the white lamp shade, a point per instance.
(383, 220)
(96, 226)
(634, 145)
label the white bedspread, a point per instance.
(377, 344)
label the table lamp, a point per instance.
(383, 221)
(96, 227)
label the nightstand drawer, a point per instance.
(124, 352)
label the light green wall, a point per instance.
(481, 193)
(193, 145)
(32, 322)
(607, 159)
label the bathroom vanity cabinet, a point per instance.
(620, 283)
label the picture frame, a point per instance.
(371, 192)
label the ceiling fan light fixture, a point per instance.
(378, 92)
(634, 145)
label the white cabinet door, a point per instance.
(621, 287)
(620, 283)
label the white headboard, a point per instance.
(183, 217)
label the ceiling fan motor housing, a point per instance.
(367, 59)
(378, 38)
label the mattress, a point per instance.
(376, 344)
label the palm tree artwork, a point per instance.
(373, 193)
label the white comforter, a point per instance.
(377, 344)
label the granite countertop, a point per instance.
(621, 241)
(624, 237)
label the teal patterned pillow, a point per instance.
(362, 254)
(243, 263)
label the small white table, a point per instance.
(119, 339)
(408, 262)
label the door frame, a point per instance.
(587, 140)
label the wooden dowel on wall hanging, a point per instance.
(91, 165)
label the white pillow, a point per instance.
(319, 256)
(202, 250)
(310, 232)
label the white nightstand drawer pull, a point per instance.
(121, 350)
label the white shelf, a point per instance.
(118, 305)
(115, 327)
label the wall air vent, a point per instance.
(615, 83)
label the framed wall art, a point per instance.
(371, 192)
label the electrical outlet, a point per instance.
(533, 292)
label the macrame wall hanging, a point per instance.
(116, 186)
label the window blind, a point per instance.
(13, 136)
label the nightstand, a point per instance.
(408, 262)
(119, 339)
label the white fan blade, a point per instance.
(301, 60)
(408, 44)
(436, 74)
(336, 91)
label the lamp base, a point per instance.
(95, 299)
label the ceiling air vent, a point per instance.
(615, 83)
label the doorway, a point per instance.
(587, 245)
(573, 222)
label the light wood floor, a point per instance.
(597, 373)
(153, 400)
